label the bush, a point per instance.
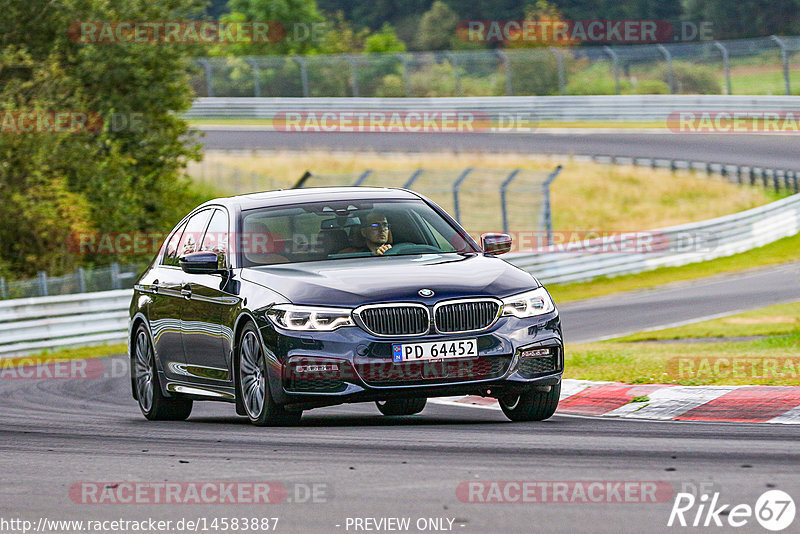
(597, 79)
(650, 87)
(690, 78)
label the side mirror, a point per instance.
(206, 262)
(495, 243)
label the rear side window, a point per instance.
(171, 250)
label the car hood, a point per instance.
(357, 281)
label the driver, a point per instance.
(375, 230)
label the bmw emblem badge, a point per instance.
(425, 293)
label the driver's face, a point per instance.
(377, 230)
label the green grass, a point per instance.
(781, 251)
(79, 353)
(773, 359)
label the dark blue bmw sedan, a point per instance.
(284, 301)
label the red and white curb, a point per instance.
(662, 402)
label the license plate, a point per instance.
(414, 352)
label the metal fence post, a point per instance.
(406, 74)
(785, 61)
(503, 188)
(412, 179)
(42, 278)
(362, 178)
(353, 75)
(562, 73)
(726, 65)
(456, 77)
(81, 275)
(3, 292)
(507, 70)
(303, 74)
(456, 186)
(303, 179)
(614, 66)
(209, 75)
(256, 73)
(670, 70)
(547, 215)
(115, 281)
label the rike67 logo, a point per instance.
(774, 510)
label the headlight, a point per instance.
(529, 304)
(309, 318)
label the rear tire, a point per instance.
(401, 406)
(252, 385)
(154, 405)
(532, 405)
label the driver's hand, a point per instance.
(383, 248)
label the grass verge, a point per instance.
(772, 358)
(78, 353)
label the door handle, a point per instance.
(186, 291)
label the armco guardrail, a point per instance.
(651, 108)
(34, 324)
(41, 323)
(683, 244)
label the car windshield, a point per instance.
(339, 230)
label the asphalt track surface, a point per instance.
(679, 303)
(56, 433)
(778, 151)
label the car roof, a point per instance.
(312, 194)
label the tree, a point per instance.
(126, 177)
(437, 28)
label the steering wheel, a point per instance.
(410, 248)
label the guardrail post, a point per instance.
(362, 178)
(209, 75)
(412, 179)
(547, 214)
(507, 71)
(115, 281)
(406, 74)
(303, 74)
(456, 76)
(456, 186)
(670, 70)
(256, 72)
(562, 73)
(353, 75)
(785, 61)
(503, 188)
(81, 275)
(614, 66)
(42, 278)
(3, 293)
(303, 179)
(726, 65)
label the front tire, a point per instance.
(401, 406)
(154, 405)
(252, 387)
(532, 405)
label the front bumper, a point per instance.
(351, 365)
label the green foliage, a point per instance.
(650, 87)
(385, 40)
(437, 27)
(128, 177)
(691, 79)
